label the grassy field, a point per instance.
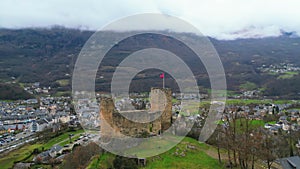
(154, 146)
(63, 82)
(255, 101)
(193, 158)
(189, 153)
(247, 102)
(206, 103)
(68, 141)
(25, 151)
(62, 93)
(17, 155)
(287, 75)
(248, 86)
(102, 161)
(257, 123)
(294, 108)
(252, 125)
(62, 138)
(272, 122)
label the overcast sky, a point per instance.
(223, 19)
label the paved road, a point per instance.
(20, 139)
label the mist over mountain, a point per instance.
(219, 19)
(48, 56)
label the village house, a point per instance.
(38, 125)
(45, 156)
(290, 162)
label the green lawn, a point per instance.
(247, 102)
(61, 138)
(257, 123)
(17, 155)
(7, 101)
(193, 158)
(25, 151)
(255, 101)
(68, 141)
(154, 146)
(287, 75)
(174, 100)
(272, 122)
(252, 124)
(102, 161)
(248, 86)
(282, 101)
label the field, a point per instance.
(60, 139)
(62, 93)
(193, 158)
(17, 155)
(287, 75)
(255, 101)
(67, 141)
(63, 82)
(103, 161)
(154, 146)
(240, 102)
(25, 151)
(189, 153)
(252, 124)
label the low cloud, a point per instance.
(223, 19)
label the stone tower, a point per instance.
(161, 100)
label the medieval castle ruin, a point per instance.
(141, 122)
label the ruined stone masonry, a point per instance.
(158, 118)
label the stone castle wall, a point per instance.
(161, 111)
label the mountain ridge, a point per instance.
(49, 55)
